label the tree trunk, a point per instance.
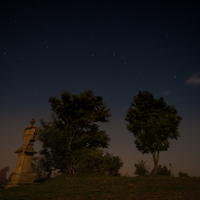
(69, 169)
(171, 169)
(155, 159)
(68, 164)
(67, 156)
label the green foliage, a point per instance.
(75, 110)
(54, 141)
(41, 168)
(141, 168)
(73, 127)
(163, 171)
(152, 123)
(94, 161)
(113, 164)
(182, 174)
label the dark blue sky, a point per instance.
(112, 48)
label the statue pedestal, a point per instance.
(22, 174)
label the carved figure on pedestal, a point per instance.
(29, 136)
(23, 171)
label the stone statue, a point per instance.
(22, 174)
(29, 136)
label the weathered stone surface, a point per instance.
(23, 172)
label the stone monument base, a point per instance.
(18, 184)
(22, 174)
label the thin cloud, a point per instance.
(194, 79)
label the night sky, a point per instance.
(114, 49)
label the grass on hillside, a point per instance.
(107, 187)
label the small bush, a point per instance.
(163, 171)
(90, 161)
(141, 169)
(182, 174)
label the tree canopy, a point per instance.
(153, 123)
(73, 127)
(75, 110)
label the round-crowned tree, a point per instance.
(152, 123)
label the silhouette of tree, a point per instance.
(153, 123)
(73, 127)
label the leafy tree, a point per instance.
(153, 123)
(73, 127)
(141, 168)
(182, 174)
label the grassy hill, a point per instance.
(107, 187)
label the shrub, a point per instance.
(163, 171)
(94, 161)
(141, 168)
(182, 174)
